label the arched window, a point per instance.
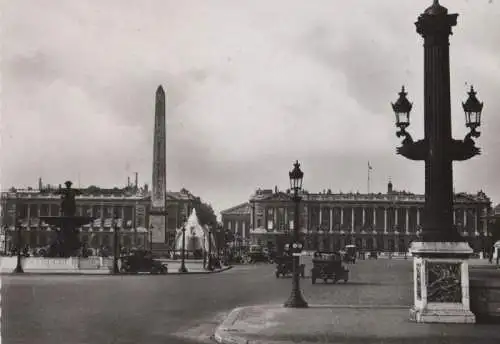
(402, 245)
(126, 241)
(359, 243)
(391, 245)
(369, 243)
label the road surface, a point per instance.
(172, 309)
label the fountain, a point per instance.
(196, 236)
(66, 243)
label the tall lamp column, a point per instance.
(183, 268)
(209, 248)
(116, 247)
(296, 300)
(440, 250)
(19, 266)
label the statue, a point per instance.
(68, 204)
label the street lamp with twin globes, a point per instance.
(296, 299)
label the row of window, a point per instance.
(23, 210)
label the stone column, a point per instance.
(341, 216)
(465, 218)
(124, 223)
(374, 217)
(331, 219)
(286, 217)
(396, 216)
(320, 216)
(385, 220)
(407, 230)
(265, 216)
(485, 226)
(454, 216)
(364, 216)
(275, 213)
(352, 219)
(418, 216)
(475, 221)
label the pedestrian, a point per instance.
(490, 255)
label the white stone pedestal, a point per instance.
(441, 283)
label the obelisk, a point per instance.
(157, 214)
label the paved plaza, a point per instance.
(176, 308)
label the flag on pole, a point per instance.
(369, 166)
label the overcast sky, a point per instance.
(251, 86)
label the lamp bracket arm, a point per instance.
(413, 150)
(464, 149)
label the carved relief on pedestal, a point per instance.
(444, 282)
(419, 281)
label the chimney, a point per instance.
(128, 182)
(40, 184)
(389, 187)
(136, 180)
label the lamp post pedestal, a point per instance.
(441, 282)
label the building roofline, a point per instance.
(229, 210)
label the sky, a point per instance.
(251, 86)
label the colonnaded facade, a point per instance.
(130, 205)
(381, 221)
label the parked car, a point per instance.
(142, 261)
(258, 253)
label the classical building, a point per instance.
(143, 216)
(131, 206)
(237, 220)
(383, 221)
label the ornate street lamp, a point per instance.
(183, 268)
(19, 266)
(150, 233)
(439, 238)
(210, 260)
(296, 299)
(116, 246)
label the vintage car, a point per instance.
(257, 254)
(142, 261)
(350, 252)
(328, 265)
(284, 266)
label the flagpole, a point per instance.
(368, 181)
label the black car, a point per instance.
(142, 261)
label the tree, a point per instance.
(494, 228)
(206, 214)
